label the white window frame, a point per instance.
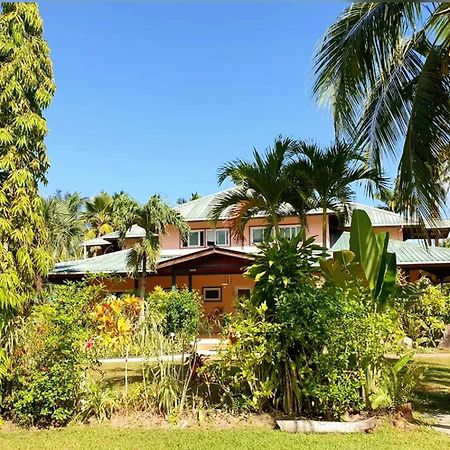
(251, 235)
(199, 240)
(291, 227)
(215, 230)
(212, 288)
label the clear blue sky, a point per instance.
(153, 98)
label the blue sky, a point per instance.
(153, 98)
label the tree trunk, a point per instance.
(143, 277)
(324, 229)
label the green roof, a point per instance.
(407, 254)
(116, 262)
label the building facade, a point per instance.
(212, 260)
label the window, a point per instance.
(289, 231)
(218, 237)
(212, 294)
(243, 292)
(257, 235)
(195, 239)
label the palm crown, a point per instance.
(383, 69)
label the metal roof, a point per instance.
(378, 216)
(407, 254)
(116, 262)
(95, 242)
(134, 232)
(201, 208)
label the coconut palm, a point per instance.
(98, 215)
(383, 68)
(65, 227)
(262, 186)
(331, 173)
(154, 217)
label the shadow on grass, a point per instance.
(434, 394)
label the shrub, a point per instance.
(179, 310)
(310, 358)
(49, 363)
(423, 310)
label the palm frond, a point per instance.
(354, 52)
(427, 138)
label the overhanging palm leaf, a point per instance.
(367, 67)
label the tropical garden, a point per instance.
(327, 337)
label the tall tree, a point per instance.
(26, 88)
(154, 217)
(383, 68)
(64, 224)
(98, 215)
(331, 173)
(261, 187)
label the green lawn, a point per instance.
(433, 396)
(138, 438)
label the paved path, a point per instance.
(139, 359)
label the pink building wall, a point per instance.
(172, 239)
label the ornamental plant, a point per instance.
(49, 364)
(116, 320)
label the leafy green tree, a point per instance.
(262, 186)
(154, 217)
(383, 68)
(98, 215)
(331, 173)
(26, 88)
(65, 227)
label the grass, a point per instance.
(434, 396)
(138, 438)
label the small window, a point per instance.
(195, 239)
(257, 235)
(212, 294)
(243, 293)
(218, 237)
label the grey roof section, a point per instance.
(116, 262)
(407, 254)
(201, 208)
(378, 217)
(95, 242)
(134, 232)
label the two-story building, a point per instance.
(212, 261)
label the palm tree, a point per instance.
(193, 196)
(154, 217)
(331, 172)
(98, 215)
(262, 186)
(383, 68)
(65, 227)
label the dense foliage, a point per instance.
(308, 352)
(26, 88)
(50, 361)
(179, 310)
(306, 347)
(423, 311)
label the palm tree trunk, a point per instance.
(324, 229)
(276, 225)
(143, 277)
